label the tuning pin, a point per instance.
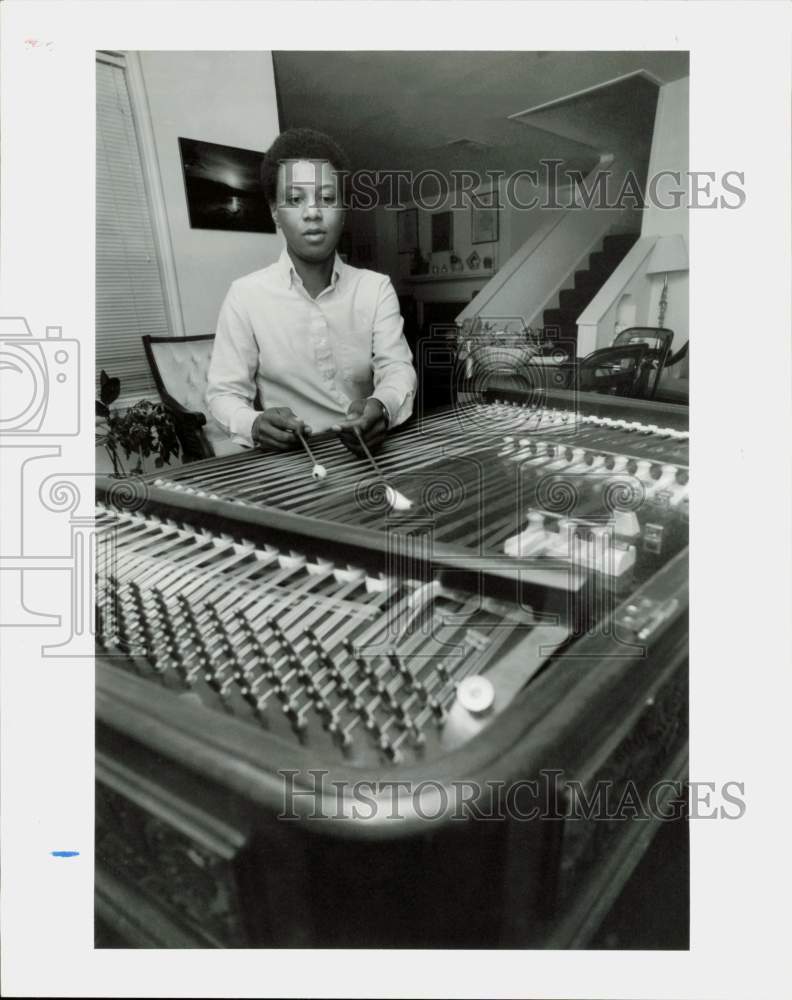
(420, 690)
(437, 710)
(211, 678)
(187, 676)
(417, 738)
(318, 700)
(442, 671)
(291, 712)
(390, 751)
(225, 686)
(345, 690)
(402, 669)
(248, 692)
(339, 735)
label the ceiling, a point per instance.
(450, 110)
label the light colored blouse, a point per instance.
(313, 355)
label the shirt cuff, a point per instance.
(392, 400)
(241, 425)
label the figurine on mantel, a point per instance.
(474, 261)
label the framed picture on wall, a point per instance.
(484, 224)
(407, 229)
(442, 232)
(223, 189)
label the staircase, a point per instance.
(560, 324)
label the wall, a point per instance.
(670, 151)
(597, 325)
(222, 97)
(515, 226)
(382, 222)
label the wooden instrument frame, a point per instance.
(187, 788)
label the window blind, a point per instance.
(130, 301)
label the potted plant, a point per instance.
(142, 430)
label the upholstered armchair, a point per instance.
(180, 366)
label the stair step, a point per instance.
(570, 299)
(560, 317)
(576, 299)
(560, 324)
(601, 266)
(585, 281)
(619, 244)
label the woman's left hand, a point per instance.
(370, 417)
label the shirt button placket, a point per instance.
(324, 355)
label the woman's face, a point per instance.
(309, 209)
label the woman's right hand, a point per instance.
(276, 429)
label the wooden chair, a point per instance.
(180, 366)
(631, 366)
(673, 386)
(617, 371)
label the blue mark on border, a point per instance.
(64, 854)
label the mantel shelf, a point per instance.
(417, 279)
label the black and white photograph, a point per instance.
(222, 187)
(417, 651)
(390, 621)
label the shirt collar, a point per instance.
(286, 268)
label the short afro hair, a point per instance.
(300, 144)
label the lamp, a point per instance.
(668, 254)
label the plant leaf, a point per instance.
(110, 388)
